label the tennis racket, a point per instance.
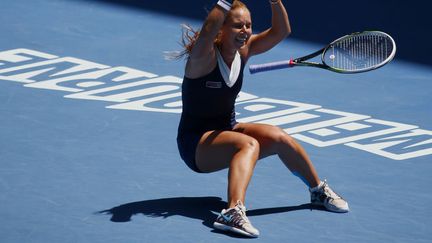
(354, 53)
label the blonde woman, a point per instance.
(209, 137)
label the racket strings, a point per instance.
(358, 52)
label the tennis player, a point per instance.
(209, 138)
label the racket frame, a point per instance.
(302, 61)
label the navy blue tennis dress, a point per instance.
(208, 104)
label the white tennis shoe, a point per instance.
(235, 220)
(323, 195)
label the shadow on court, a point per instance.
(201, 208)
(192, 207)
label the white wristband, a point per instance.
(224, 4)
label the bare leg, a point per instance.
(274, 140)
(236, 151)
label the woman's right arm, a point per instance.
(203, 52)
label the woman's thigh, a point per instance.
(269, 137)
(216, 149)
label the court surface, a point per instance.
(88, 117)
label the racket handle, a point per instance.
(270, 66)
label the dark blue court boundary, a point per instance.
(322, 21)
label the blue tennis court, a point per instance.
(89, 112)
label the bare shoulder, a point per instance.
(197, 67)
(245, 51)
(263, 42)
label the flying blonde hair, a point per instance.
(189, 36)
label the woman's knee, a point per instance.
(282, 139)
(250, 145)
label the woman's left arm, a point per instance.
(279, 30)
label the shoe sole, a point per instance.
(334, 210)
(224, 227)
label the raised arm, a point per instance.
(202, 56)
(279, 30)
